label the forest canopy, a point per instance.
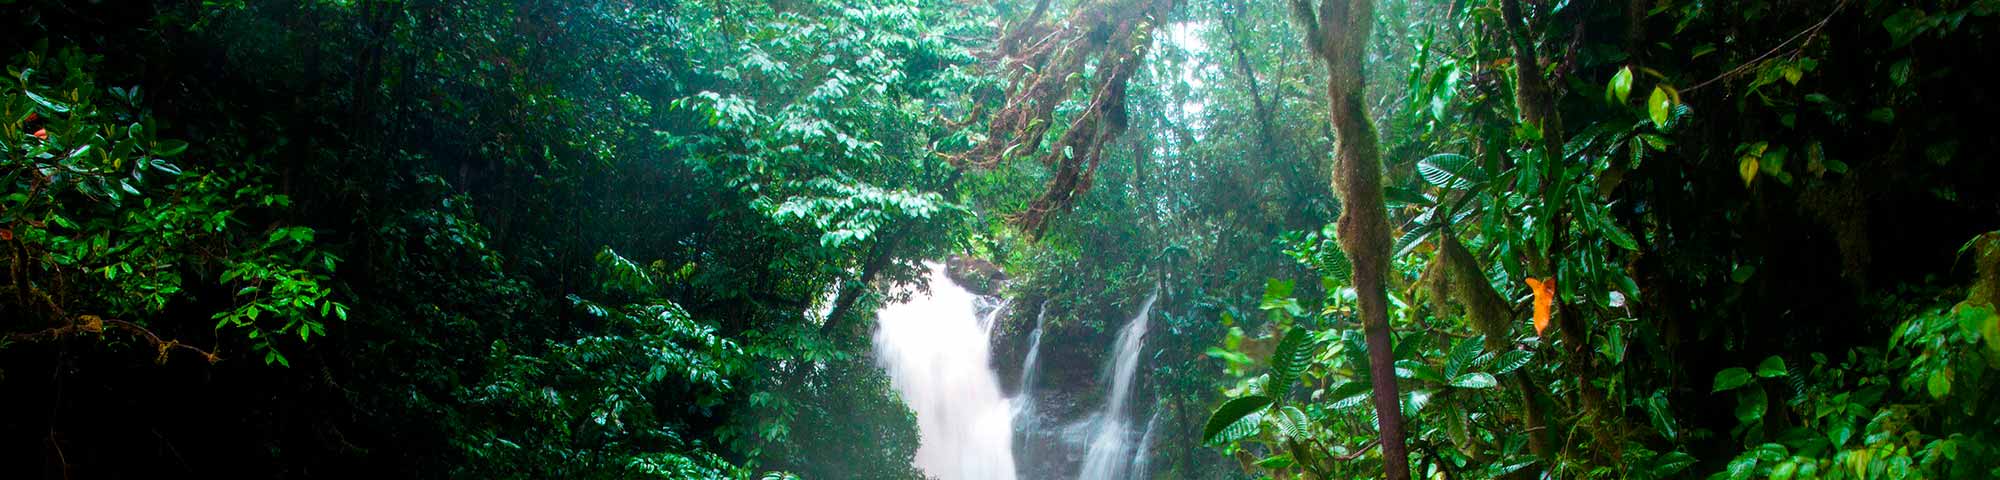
(1303, 239)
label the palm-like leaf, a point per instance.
(1451, 171)
(1234, 420)
(1291, 357)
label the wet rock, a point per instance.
(977, 275)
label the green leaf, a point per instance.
(1939, 383)
(54, 106)
(1404, 196)
(1621, 85)
(1418, 370)
(1278, 296)
(1225, 424)
(1774, 366)
(164, 167)
(1746, 167)
(1475, 380)
(1750, 404)
(1658, 106)
(1290, 421)
(1784, 471)
(1662, 414)
(1290, 358)
(1276, 462)
(1882, 115)
(169, 148)
(1904, 26)
(1451, 171)
(1730, 378)
(1512, 360)
(1612, 232)
(1741, 468)
(1463, 355)
(1671, 463)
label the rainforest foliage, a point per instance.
(1435, 239)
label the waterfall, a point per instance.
(1034, 352)
(1110, 449)
(936, 351)
(1024, 400)
(1143, 453)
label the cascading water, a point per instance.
(1142, 454)
(1110, 449)
(1034, 352)
(935, 348)
(1024, 400)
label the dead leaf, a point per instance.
(1545, 293)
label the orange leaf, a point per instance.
(42, 134)
(1545, 293)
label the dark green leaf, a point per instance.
(1450, 171)
(169, 148)
(1226, 418)
(1751, 404)
(1290, 358)
(1513, 359)
(1730, 378)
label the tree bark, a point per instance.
(879, 256)
(1491, 314)
(1338, 33)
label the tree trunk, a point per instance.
(1338, 32)
(879, 256)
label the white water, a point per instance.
(1110, 448)
(1143, 454)
(1034, 352)
(936, 350)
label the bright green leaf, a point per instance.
(1621, 85)
(1774, 366)
(1730, 378)
(1658, 106)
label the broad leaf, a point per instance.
(1475, 380)
(1658, 106)
(1290, 421)
(1671, 463)
(1751, 404)
(1451, 171)
(1620, 87)
(1463, 355)
(1227, 423)
(1512, 360)
(1290, 358)
(1771, 367)
(1276, 462)
(1730, 378)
